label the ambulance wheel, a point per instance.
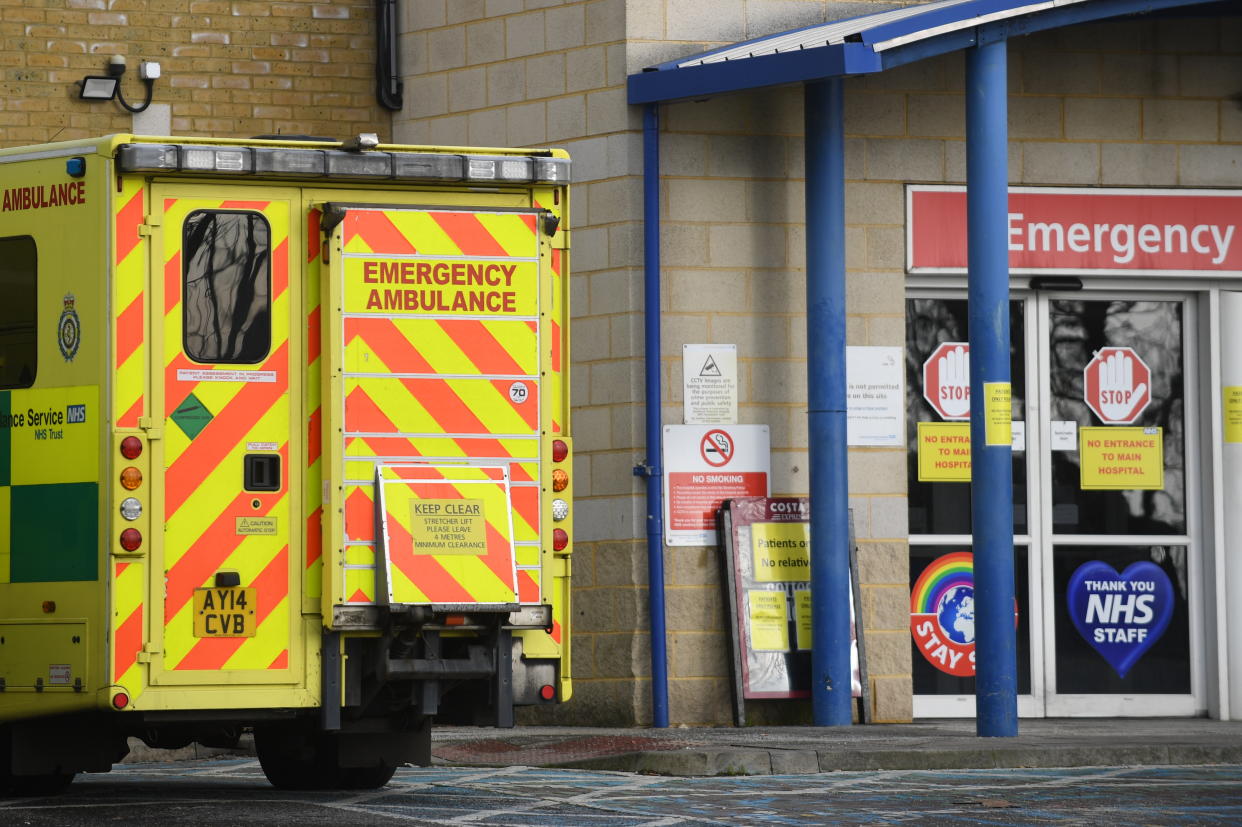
(37, 785)
(294, 759)
(366, 778)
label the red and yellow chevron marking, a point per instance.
(128, 583)
(128, 301)
(312, 491)
(203, 475)
(446, 233)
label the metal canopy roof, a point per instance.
(872, 43)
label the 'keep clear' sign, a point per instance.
(1120, 615)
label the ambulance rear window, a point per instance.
(226, 284)
(18, 312)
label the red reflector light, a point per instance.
(131, 539)
(131, 447)
(454, 620)
(559, 450)
(49, 606)
(120, 700)
(560, 539)
(547, 692)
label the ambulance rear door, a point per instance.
(223, 299)
(433, 401)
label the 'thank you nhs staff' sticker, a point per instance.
(1120, 615)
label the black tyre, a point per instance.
(295, 759)
(38, 785)
(366, 778)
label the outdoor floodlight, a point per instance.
(98, 88)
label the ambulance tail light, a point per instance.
(560, 539)
(560, 450)
(131, 539)
(131, 478)
(560, 479)
(131, 447)
(120, 700)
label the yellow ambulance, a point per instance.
(284, 446)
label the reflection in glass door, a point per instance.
(1105, 561)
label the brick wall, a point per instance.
(230, 69)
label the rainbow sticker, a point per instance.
(942, 613)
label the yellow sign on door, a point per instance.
(1121, 459)
(944, 452)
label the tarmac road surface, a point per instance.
(232, 792)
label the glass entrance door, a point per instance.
(1106, 561)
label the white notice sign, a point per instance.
(1064, 435)
(709, 379)
(875, 396)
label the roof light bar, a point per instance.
(330, 163)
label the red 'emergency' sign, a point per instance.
(946, 380)
(1116, 385)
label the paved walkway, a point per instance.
(929, 745)
(798, 750)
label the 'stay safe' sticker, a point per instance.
(1120, 615)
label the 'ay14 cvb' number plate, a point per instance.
(224, 612)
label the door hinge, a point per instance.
(147, 424)
(147, 653)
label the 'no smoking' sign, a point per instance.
(716, 448)
(703, 467)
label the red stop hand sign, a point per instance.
(1116, 385)
(946, 380)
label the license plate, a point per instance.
(224, 612)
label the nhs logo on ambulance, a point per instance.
(75, 414)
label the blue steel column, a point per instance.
(991, 486)
(831, 700)
(655, 433)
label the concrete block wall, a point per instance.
(540, 73)
(230, 68)
(734, 255)
(1118, 104)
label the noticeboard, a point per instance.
(767, 579)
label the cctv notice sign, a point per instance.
(704, 465)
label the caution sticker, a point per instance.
(448, 527)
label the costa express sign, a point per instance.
(1102, 230)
